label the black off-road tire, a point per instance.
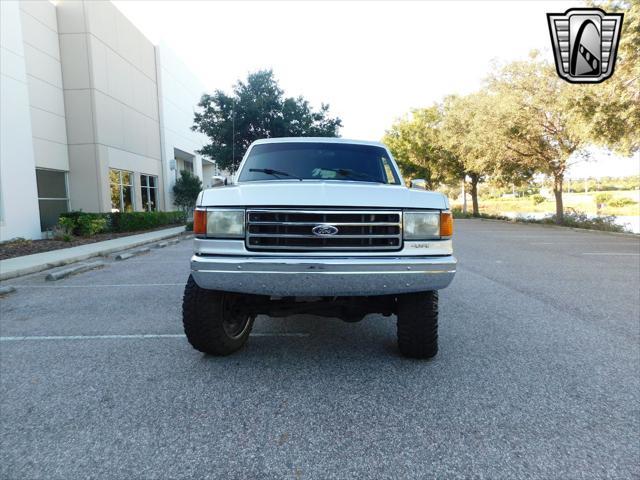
(203, 313)
(418, 324)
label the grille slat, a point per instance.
(292, 230)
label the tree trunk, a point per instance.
(557, 191)
(474, 195)
(464, 197)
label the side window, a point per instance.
(387, 170)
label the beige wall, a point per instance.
(110, 94)
(19, 212)
(44, 81)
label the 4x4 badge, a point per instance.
(585, 43)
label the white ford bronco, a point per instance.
(321, 226)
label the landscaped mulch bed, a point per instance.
(18, 248)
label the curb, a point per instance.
(135, 253)
(7, 290)
(558, 227)
(80, 257)
(60, 274)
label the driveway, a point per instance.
(538, 375)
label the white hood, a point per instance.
(320, 194)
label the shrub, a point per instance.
(186, 190)
(88, 224)
(582, 220)
(603, 198)
(134, 221)
(189, 227)
(537, 199)
(622, 202)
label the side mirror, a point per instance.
(218, 181)
(419, 183)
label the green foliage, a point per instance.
(186, 190)
(89, 224)
(256, 109)
(610, 111)
(622, 202)
(606, 183)
(603, 198)
(415, 142)
(67, 224)
(537, 199)
(134, 221)
(189, 227)
(582, 220)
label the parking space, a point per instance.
(537, 375)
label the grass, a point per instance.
(582, 202)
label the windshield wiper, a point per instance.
(275, 173)
(347, 172)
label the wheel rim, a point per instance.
(235, 323)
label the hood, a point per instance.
(320, 194)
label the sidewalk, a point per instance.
(16, 267)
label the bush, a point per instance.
(603, 198)
(186, 190)
(88, 224)
(622, 202)
(189, 227)
(537, 199)
(582, 220)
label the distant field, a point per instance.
(582, 202)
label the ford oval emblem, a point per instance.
(324, 230)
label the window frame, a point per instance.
(65, 174)
(121, 186)
(148, 188)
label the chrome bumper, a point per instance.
(326, 276)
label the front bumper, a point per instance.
(322, 276)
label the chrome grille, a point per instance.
(292, 230)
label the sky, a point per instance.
(372, 61)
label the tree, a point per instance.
(256, 109)
(186, 190)
(611, 110)
(540, 130)
(415, 143)
(471, 132)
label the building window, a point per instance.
(121, 190)
(149, 191)
(188, 166)
(52, 196)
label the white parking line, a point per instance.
(586, 242)
(126, 285)
(139, 336)
(612, 253)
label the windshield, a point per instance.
(319, 161)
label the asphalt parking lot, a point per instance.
(538, 375)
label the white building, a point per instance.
(94, 116)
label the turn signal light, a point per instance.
(200, 222)
(446, 224)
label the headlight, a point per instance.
(421, 225)
(219, 223)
